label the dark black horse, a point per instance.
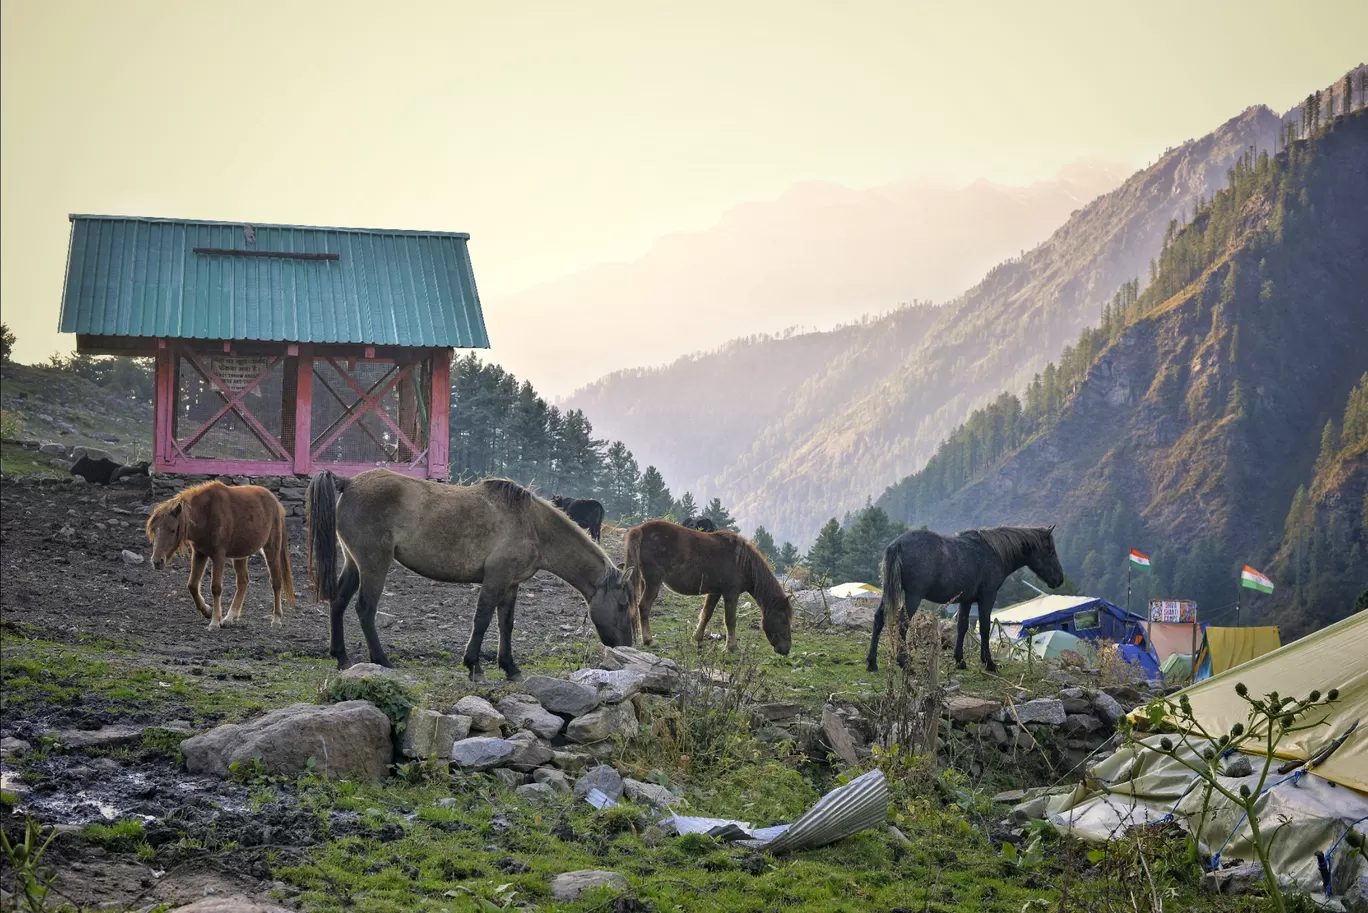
(586, 512)
(702, 524)
(966, 568)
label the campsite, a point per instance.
(618, 459)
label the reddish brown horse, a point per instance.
(721, 565)
(219, 523)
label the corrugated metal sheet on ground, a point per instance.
(141, 277)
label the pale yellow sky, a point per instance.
(561, 135)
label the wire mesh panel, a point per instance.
(229, 407)
(370, 412)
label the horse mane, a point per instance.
(508, 491)
(764, 586)
(1011, 544)
(183, 524)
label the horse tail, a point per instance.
(286, 570)
(320, 515)
(892, 581)
(631, 564)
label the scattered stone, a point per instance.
(1239, 766)
(1076, 704)
(1031, 809)
(1070, 693)
(10, 747)
(1042, 710)
(10, 783)
(1012, 795)
(1107, 708)
(230, 903)
(430, 734)
(375, 670)
(838, 737)
(130, 557)
(1355, 899)
(483, 716)
(534, 791)
(603, 778)
(553, 779)
(524, 712)
(481, 752)
(1058, 677)
(614, 685)
(998, 732)
(350, 740)
(571, 885)
(104, 737)
(775, 712)
(1081, 723)
(510, 778)
(1126, 695)
(531, 751)
(573, 761)
(660, 673)
(964, 708)
(1024, 740)
(52, 449)
(448, 802)
(559, 696)
(1246, 878)
(654, 795)
(610, 722)
(899, 836)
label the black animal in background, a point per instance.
(586, 512)
(702, 524)
(966, 568)
(105, 471)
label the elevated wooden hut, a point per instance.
(280, 349)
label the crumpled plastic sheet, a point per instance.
(858, 805)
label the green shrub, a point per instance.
(394, 699)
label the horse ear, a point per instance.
(1050, 529)
(176, 509)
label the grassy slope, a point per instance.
(38, 399)
(457, 858)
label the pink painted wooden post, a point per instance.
(438, 442)
(165, 399)
(304, 411)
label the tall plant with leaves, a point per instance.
(1270, 719)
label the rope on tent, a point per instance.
(1295, 776)
(1330, 856)
(1191, 786)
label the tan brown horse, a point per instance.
(219, 523)
(495, 533)
(722, 565)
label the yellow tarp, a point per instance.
(1333, 657)
(1229, 647)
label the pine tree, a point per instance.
(1348, 92)
(719, 515)
(865, 541)
(686, 509)
(825, 557)
(764, 543)
(656, 499)
(788, 557)
(621, 482)
(7, 340)
(1330, 445)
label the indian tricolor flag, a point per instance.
(1255, 580)
(1139, 560)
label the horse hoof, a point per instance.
(477, 675)
(513, 676)
(959, 664)
(990, 666)
(872, 667)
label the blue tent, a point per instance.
(1142, 658)
(1082, 616)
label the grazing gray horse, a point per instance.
(495, 533)
(966, 568)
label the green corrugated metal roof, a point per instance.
(131, 276)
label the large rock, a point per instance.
(571, 885)
(606, 723)
(430, 734)
(11, 747)
(483, 716)
(603, 778)
(531, 752)
(654, 795)
(774, 712)
(1081, 724)
(614, 685)
(1042, 710)
(838, 737)
(523, 711)
(534, 791)
(555, 779)
(660, 674)
(481, 752)
(964, 708)
(350, 740)
(1107, 708)
(52, 449)
(230, 903)
(104, 737)
(1355, 899)
(375, 670)
(1246, 878)
(559, 696)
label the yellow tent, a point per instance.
(1333, 657)
(1226, 648)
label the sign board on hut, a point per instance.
(1173, 611)
(237, 371)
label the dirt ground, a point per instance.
(64, 574)
(65, 581)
